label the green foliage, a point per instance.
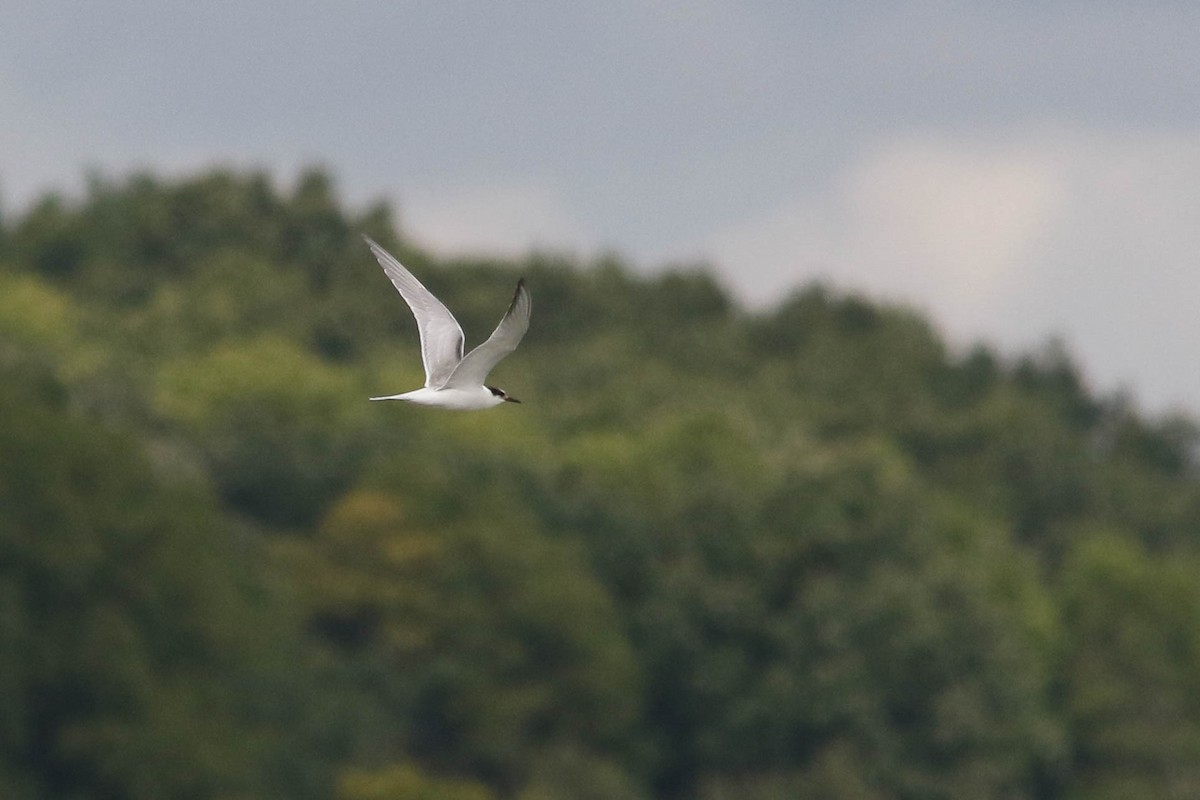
(142, 654)
(474, 629)
(1133, 653)
(806, 552)
(271, 420)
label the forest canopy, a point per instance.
(809, 551)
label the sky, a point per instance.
(1019, 171)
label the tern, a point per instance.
(453, 380)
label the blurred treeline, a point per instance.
(805, 553)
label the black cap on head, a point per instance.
(501, 394)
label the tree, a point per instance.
(487, 638)
(804, 551)
(141, 655)
(1133, 680)
(278, 427)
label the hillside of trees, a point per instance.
(809, 552)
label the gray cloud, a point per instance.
(1088, 236)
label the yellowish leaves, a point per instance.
(32, 312)
(406, 782)
(267, 370)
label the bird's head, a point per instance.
(502, 395)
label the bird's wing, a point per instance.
(441, 335)
(474, 368)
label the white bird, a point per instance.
(453, 380)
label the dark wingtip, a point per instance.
(518, 290)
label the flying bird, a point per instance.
(453, 380)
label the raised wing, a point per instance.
(474, 368)
(441, 335)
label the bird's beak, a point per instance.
(511, 399)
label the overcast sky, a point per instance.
(1019, 170)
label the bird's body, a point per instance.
(456, 399)
(452, 380)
